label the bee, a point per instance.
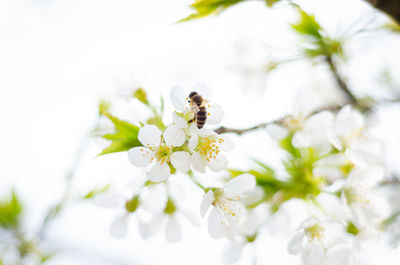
(197, 105)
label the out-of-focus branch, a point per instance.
(339, 80)
(56, 209)
(224, 129)
(390, 7)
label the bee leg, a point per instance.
(192, 120)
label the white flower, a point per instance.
(314, 132)
(206, 147)
(158, 150)
(228, 211)
(171, 215)
(151, 199)
(247, 233)
(321, 244)
(179, 98)
(366, 207)
(349, 134)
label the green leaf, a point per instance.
(307, 25)
(124, 138)
(96, 191)
(10, 211)
(270, 3)
(205, 8)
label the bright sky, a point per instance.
(60, 57)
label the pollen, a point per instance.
(209, 148)
(162, 153)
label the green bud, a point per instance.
(140, 94)
(251, 238)
(132, 204)
(352, 229)
(170, 208)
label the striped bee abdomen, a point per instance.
(201, 117)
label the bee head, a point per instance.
(192, 94)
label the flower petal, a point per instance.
(239, 185)
(227, 144)
(215, 115)
(203, 90)
(219, 163)
(233, 252)
(178, 97)
(173, 232)
(159, 172)
(216, 226)
(276, 132)
(178, 120)
(206, 202)
(348, 121)
(174, 135)
(296, 242)
(312, 253)
(193, 142)
(181, 160)
(150, 135)
(190, 217)
(140, 156)
(153, 198)
(119, 226)
(198, 163)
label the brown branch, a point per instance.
(390, 7)
(341, 83)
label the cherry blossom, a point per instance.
(158, 150)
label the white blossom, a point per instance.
(349, 134)
(321, 243)
(227, 211)
(207, 147)
(367, 209)
(157, 150)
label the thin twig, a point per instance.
(339, 80)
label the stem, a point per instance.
(342, 84)
(57, 208)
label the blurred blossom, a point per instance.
(321, 243)
(227, 211)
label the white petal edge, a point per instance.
(181, 160)
(140, 156)
(193, 142)
(197, 163)
(215, 115)
(150, 135)
(218, 164)
(215, 224)
(159, 172)
(239, 185)
(119, 226)
(178, 97)
(296, 242)
(174, 135)
(206, 202)
(173, 232)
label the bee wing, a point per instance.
(194, 107)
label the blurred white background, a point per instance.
(58, 58)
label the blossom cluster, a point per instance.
(327, 153)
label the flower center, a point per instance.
(162, 153)
(315, 232)
(293, 123)
(209, 147)
(229, 207)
